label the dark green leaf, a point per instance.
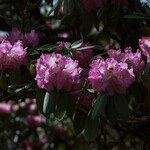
(121, 106)
(99, 106)
(15, 77)
(3, 81)
(110, 111)
(40, 94)
(79, 121)
(91, 129)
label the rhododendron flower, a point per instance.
(34, 121)
(5, 108)
(116, 54)
(12, 56)
(133, 60)
(62, 46)
(28, 39)
(16, 35)
(55, 71)
(83, 56)
(145, 47)
(110, 76)
(32, 38)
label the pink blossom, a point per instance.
(83, 56)
(16, 35)
(28, 39)
(110, 76)
(32, 108)
(5, 108)
(144, 44)
(62, 46)
(133, 60)
(116, 54)
(34, 121)
(32, 38)
(12, 56)
(55, 71)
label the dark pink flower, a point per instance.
(144, 44)
(16, 35)
(32, 38)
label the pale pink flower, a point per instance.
(110, 76)
(5, 108)
(12, 56)
(55, 71)
(34, 120)
(134, 60)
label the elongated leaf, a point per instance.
(68, 6)
(49, 103)
(91, 129)
(121, 106)
(3, 81)
(99, 106)
(79, 121)
(110, 111)
(76, 44)
(40, 94)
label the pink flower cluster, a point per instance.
(133, 60)
(144, 44)
(28, 39)
(55, 71)
(12, 56)
(110, 76)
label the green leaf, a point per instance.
(91, 129)
(76, 44)
(110, 111)
(3, 81)
(64, 103)
(79, 121)
(99, 106)
(40, 94)
(49, 103)
(145, 77)
(60, 115)
(15, 77)
(121, 106)
(68, 7)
